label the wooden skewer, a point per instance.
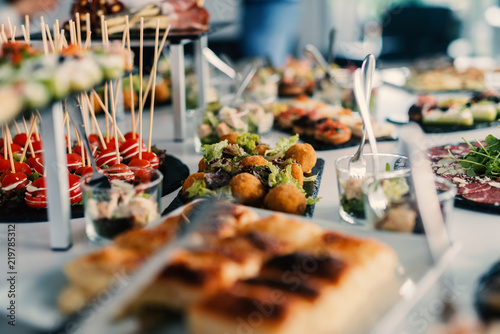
(78, 30)
(17, 127)
(49, 35)
(66, 121)
(13, 37)
(5, 143)
(11, 31)
(106, 112)
(28, 32)
(33, 121)
(152, 107)
(130, 79)
(9, 148)
(72, 31)
(79, 143)
(37, 134)
(141, 47)
(25, 34)
(103, 31)
(57, 31)
(44, 36)
(89, 32)
(60, 41)
(28, 140)
(115, 127)
(96, 124)
(106, 104)
(4, 35)
(162, 44)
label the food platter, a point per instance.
(465, 197)
(311, 188)
(415, 269)
(173, 170)
(322, 146)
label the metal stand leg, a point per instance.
(178, 91)
(54, 156)
(202, 74)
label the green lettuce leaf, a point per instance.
(248, 141)
(282, 146)
(214, 151)
(199, 189)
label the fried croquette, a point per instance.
(247, 189)
(254, 160)
(261, 149)
(231, 137)
(285, 198)
(202, 165)
(297, 173)
(304, 154)
(190, 181)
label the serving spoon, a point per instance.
(357, 164)
(376, 196)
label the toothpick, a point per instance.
(33, 122)
(56, 32)
(11, 31)
(89, 32)
(60, 41)
(49, 35)
(141, 47)
(25, 34)
(113, 112)
(4, 35)
(13, 36)
(103, 31)
(9, 148)
(37, 135)
(78, 29)
(66, 120)
(155, 64)
(152, 107)
(28, 32)
(130, 79)
(96, 124)
(106, 104)
(106, 32)
(5, 142)
(28, 140)
(72, 31)
(17, 127)
(44, 37)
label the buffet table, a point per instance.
(476, 232)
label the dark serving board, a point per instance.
(445, 128)
(311, 188)
(173, 170)
(463, 203)
(321, 146)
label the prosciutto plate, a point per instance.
(474, 193)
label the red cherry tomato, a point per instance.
(75, 192)
(4, 165)
(130, 148)
(110, 144)
(74, 161)
(121, 172)
(37, 147)
(94, 139)
(36, 196)
(130, 135)
(15, 149)
(84, 170)
(143, 173)
(1, 142)
(152, 158)
(36, 163)
(107, 157)
(21, 138)
(17, 180)
(22, 167)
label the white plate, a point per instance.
(40, 292)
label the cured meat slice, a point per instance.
(471, 188)
(437, 153)
(458, 150)
(490, 196)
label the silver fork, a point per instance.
(376, 197)
(357, 164)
